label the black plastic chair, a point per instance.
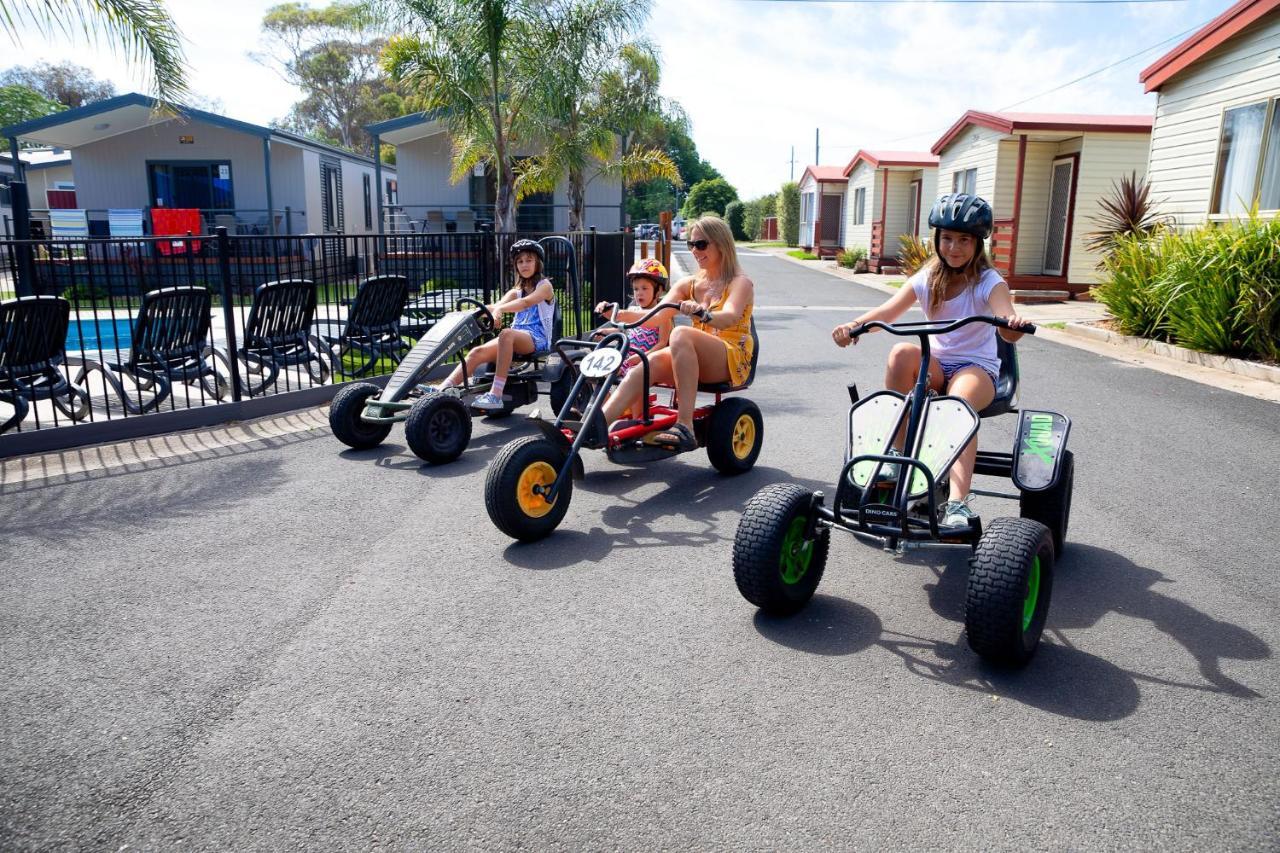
(1006, 399)
(33, 334)
(277, 333)
(170, 343)
(372, 327)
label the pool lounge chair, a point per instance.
(372, 327)
(125, 222)
(170, 343)
(33, 335)
(277, 333)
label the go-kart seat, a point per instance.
(1006, 398)
(725, 387)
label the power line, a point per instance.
(1068, 84)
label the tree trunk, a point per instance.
(504, 214)
(577, 201)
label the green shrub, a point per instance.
(802, 255)
(734, 214)
(789, 213)
(1214, 289)
(85, 292)
(850, 258)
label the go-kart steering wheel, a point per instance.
(486, 321)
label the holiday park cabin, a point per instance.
(887, 197)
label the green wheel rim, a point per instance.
(797, 552)
(1033, 594)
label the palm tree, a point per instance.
(474, 63)
(142, 28)
(596, 93)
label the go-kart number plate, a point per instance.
(600, 363)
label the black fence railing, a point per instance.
(131, 327)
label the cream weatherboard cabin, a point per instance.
(1215, 147)
(888, 196)
(1044, 174)
(822, 209)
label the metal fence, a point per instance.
(135, 343)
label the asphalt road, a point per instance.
(281, 645)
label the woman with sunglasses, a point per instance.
(716, 348)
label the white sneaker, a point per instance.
(958, 513)
(488, 402)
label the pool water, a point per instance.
(100, 334)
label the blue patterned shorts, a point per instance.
(951, 368)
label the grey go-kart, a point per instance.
(437, 426)
(780, 550)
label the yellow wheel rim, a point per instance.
(744, 436)
(532, 504)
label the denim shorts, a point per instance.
(951, 368)
(540, 342)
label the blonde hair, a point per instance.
(717, 231)
(941, 277)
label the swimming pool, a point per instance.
(100, 334)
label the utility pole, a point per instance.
(817, 160)
(793, 163)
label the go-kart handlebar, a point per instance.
(612, 324)
(934, 327)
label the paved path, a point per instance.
(261, 642)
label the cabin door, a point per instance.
(1060, 203)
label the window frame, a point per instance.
(1268, 119)
(860, 206)
(960, 180)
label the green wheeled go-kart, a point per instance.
(530, 482)
(780, 550)
(437, 426)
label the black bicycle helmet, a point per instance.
(527, 246)
(962, 212)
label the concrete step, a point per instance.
(1040, 297)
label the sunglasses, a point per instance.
(700, 245)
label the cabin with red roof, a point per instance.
(822, 209)
(1044, 175)
(1215, 147)
(888, 197)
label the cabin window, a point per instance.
(1248, 168)
(965, 181)
(859, 205)
(331, 194)
(202, 184)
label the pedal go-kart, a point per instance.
(530, 482)
(780, 550)
(437, 427)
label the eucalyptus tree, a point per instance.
(141, 29)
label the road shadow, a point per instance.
(396, 456)
(827, 626)
(693, 493)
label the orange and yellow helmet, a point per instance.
(649, 268)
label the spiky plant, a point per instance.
(1129, 209)
(914, 254)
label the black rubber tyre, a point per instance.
(1010, 584)
(512, 506)
(561, 388)
(438, 428)
(1052, 507)
(735, 435)
(775, 567)
(344, 417)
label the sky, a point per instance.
(757, 77)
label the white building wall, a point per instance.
(113, 172)
(1189, 112)
(1036, 183)
(1104, 159)
(862, 177)
(975, 147)
(929, 193)
(603, 196)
